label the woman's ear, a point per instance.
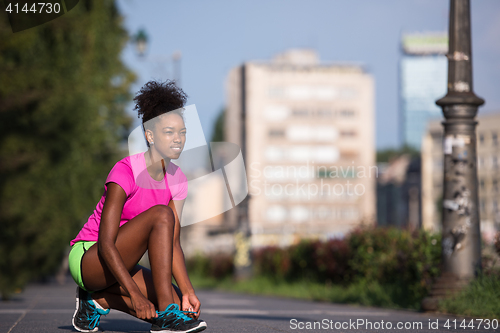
(149, 136)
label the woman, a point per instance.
(140, 210)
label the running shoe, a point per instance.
(87, 315)
(174, 320)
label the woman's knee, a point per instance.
(163, 214)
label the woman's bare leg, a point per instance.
(115, 297)
(151, 230)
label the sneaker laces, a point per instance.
(174, 309)
(95, 317)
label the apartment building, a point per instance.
(306, 129)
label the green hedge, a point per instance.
(402, 261)
(386, 267)
(387, 255)
(216, 266)
(310, 260)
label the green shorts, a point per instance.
(75, 260)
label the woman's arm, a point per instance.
(179, 270)
(108, 232)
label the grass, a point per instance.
(481, 299)
(362, 292)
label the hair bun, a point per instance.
(157, 97)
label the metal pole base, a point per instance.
(446, 286)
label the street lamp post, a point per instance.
(140, 40)
(242, 239)
(461, 242)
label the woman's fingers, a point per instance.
(197, 309)
(145, 310)
(186, 306)
(153, 311)
(142, 313)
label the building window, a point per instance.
(324, 113)
(276, 133)
(348, 93)
(276, 213)
(348, 156)
(481, 184)
(276, 92)
(274, 153)
(300, 113)
(276, 113)
(494, 161)
(482, 205)
(323, 213)
(495, 185)
(346, 113)
(299, 214)
(347, 134)
(325, 133)
(481, 138)
(494, 138)
(349, 213)
(311, 133)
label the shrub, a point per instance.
(272, 261)
(497, 243)
(218, 266)
(398, 257)
(331, 261)
(404, 262)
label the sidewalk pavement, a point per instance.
(44, 308)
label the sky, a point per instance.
(215, 36)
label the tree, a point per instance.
(62, 118)
(386, 155)
(218, 132)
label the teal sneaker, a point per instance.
(174, 320)
(87, 315)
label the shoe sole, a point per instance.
(74, 314)
(199, 328)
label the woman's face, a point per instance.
(169, 135)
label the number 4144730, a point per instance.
(473, 323)
(37, 8)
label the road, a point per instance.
(44, 308)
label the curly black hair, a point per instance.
(156, 98)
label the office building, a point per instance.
(423, 80)
(306, 129)
(398, 193)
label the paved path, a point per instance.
(49, 308)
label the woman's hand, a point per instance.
(191, 303)
(143, 307)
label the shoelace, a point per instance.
(95, 317)
(176, 312)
